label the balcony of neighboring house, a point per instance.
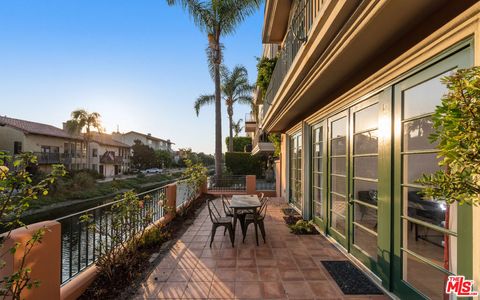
(73, 157)
(118, 159)
(250, 122)
(45, 158)
(261, 143)
(108, 157)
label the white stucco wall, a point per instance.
(8, 136)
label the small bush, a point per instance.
(128, 218)
(83, 180)
(291, 219)
(155, 236)
(94, 174)
(303, 227)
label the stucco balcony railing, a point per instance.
(250, 122)
(261, 143)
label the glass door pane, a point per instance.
(365, 179)
(338, 174)
(296, 170)
(317, 172)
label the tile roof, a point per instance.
(107, 139)
(150, 137)
(36, 128)
(49, 130)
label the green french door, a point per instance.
(351, 212)
(429, 241)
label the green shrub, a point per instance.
(303, 227)
(155, 236)
(275, 139)
(239, 143)
(94, 174)
(457, 124)
(82, 180)
(265, 67)
(242, 163)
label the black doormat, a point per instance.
(350, 279)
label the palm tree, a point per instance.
(237, 127)
(217, 18)
(83, 120)
(235, 88)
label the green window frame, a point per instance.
(318, 173)
(295, 164)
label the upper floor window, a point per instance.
(17, 147)
(94, 152)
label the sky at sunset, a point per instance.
(140, 64)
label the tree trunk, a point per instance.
(218, 115)
(230, 119)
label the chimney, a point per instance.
(64, 126)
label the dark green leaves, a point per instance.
(265, 67)
(457, 129)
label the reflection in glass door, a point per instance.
(318, 177)
(364, 195)
(296, 170)
(338, 175)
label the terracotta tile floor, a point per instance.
(287, 266)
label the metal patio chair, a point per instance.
(257, 219)
(218, 221)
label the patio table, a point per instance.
(243, 202)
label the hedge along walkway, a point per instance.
(288, 266)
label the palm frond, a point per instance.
(245, 100)
(233, 12)
(73, 126)
(198, 10)
(211, 60)
(203, 100)
(237, 127)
